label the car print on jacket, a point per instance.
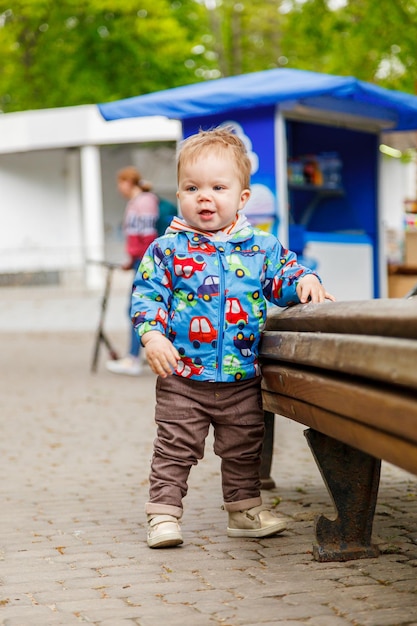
(202, 331)
(244, 344)
(209, 288)
(233, 367)
(248, 252)
(256, 299)
(235, 313)
(160, 318)
(184, 299)
(188, 367)
(186, 266)
(147, 266)
(138, 318)
(237, 265)
(149, 263)
(200, 245)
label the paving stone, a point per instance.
(42, 620)
(400, 616)
(328, 620)
(114, 621)
(27, 615)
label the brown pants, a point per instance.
(185, 410)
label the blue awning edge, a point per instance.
(266, 88)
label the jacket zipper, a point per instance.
(220, 335)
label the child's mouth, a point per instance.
(205, 214)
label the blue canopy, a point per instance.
(344, 94)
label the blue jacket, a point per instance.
(209, 298)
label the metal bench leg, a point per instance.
(352, 479)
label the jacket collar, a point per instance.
(240, 230)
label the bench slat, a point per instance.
(389, 317)
(379, 406)
(368, 439)
(392, 360)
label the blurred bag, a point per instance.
(167, 210)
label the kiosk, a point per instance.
(314, 144)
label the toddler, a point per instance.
(199, 306)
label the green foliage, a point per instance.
(87, 51)
(72, 52)
(373, 40)
(247, 35)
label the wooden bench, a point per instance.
(348, 371)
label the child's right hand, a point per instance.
(310, 289)
(161, 355)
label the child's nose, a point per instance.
(203, 194)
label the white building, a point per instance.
(59, 205)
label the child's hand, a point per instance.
(310, 289)
(161, 355)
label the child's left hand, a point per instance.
(310, 289)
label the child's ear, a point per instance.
(244, 197)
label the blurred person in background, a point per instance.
(140, 229)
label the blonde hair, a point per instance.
(132, 175)
(221, 140)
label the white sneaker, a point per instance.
(129, 365)
(164, 531)
(256, 522)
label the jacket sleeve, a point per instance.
(282, 275)
(151, 292)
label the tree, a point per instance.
(247, 35)
(374, 40)
(73, 52)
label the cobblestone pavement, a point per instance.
(74, 459)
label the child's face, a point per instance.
(210, 192)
